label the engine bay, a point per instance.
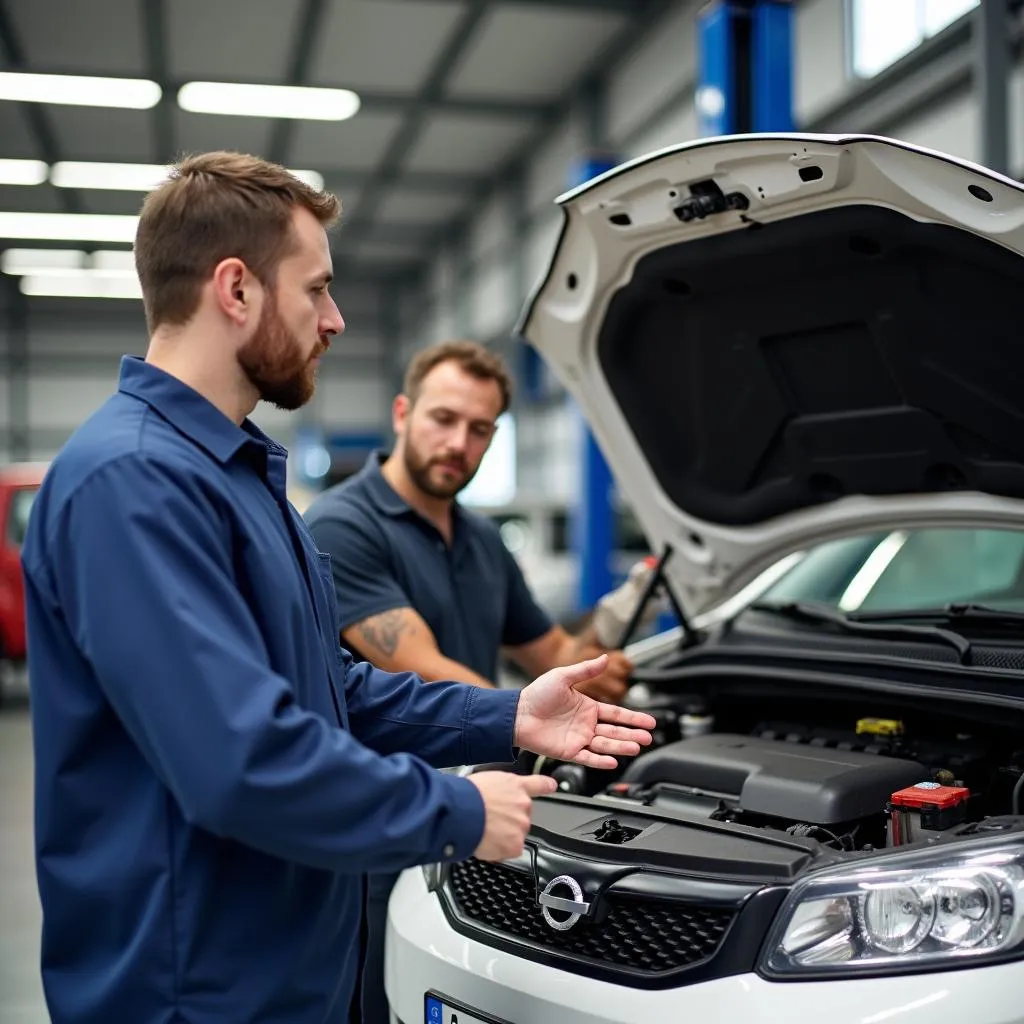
(868, 777)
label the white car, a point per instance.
(782, 343)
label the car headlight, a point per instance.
(907, 912)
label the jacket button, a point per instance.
(449, 850)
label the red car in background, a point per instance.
(19, 483)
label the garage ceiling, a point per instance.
(454, 95)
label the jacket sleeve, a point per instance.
(447, 724)
(142, 564)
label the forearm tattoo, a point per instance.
(383, 631)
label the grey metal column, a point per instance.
(991, 78)
(18, 424)
(389, 329)
(462, 284)
(519, 215)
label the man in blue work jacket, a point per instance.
(214, 774)
(426, 586)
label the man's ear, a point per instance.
(234, 290)
(399, 413)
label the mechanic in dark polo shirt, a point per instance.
(424, 585)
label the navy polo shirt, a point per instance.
(213, 772)
(385, 555)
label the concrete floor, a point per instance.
(21, 992)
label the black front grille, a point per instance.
(640, 933)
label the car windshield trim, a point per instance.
(809, 611)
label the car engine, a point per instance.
(876, 783)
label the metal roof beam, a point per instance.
(314, 13)
(598, 72)
(154, 30)
(404, 141)
(36, 114)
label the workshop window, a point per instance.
(495, 480)
(883, 31)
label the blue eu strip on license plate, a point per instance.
(439, 1010)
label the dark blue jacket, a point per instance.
(213, 772)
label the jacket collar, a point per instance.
(192, 414)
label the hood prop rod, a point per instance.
(656, 579)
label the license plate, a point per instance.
(440, 1009)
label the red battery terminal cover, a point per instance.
(930, 796)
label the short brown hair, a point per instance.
(212, 207)
(475, 359)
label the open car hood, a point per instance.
(778, 340)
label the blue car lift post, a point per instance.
(745, 67)
(745, 59)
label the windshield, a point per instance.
(908, 569)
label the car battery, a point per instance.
(924, 810)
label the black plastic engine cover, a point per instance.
(791, 781)
(564, 831)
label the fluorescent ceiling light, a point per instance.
(41, 261)
(76, 227)
(125, 177)
(58, 262)
(80, 90)
(131, 177)
(114, 261)
(82, 285)
(295, 101)
(22, 172)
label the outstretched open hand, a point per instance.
(555, 719)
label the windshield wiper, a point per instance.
(809, 612)
(955, 613)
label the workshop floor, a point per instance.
(21, 993)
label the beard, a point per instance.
(274, 362)
(419, 469)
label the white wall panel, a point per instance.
(492, 232)
(667, 62)
(549, 176)
(540, 245)
(677, 127)
(549, 448)
(41, 453)
(352, 400)
(358, 342)
(493, 310)
(951, 127)
(67, 400)
(819, 41)
(1017, 121)
(441, 325)
(277, 423)
(442, 273)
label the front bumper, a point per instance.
(425, 954)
